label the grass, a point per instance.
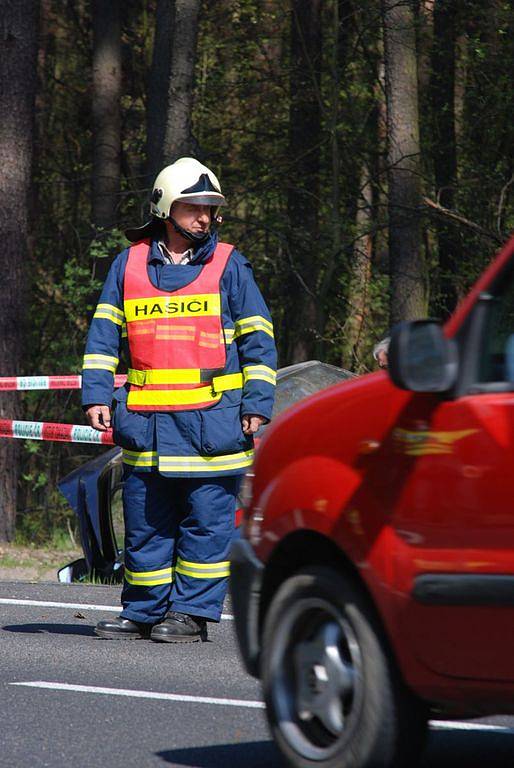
(9, 561)
(23, 560)
(93, 579)
(58, 540)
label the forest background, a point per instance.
(365, 149)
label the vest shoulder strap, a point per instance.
(224, 250)
(139, 249)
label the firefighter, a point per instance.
(201, 381)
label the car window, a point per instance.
(497, 354)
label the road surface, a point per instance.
(69, 698)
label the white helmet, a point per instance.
(186, 180)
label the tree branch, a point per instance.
(458, 219)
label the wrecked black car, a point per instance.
(94, 490)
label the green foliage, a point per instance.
(241, 125)
(49, 522)
(106, 243)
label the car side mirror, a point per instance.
(421, 358)
(75, 571)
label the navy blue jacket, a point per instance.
(195, 443)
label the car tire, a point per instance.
(334, 698)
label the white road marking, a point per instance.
(143, 694)
(447, 725)
(76, 606)
(50, 604)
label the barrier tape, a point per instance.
(45, 430)
(72, 381)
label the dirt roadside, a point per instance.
(33, 564)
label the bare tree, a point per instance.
(18, 49)
(408, 278)
(442, 88)
(303, 189)
(158, 87)
(106, 113)
(178, 140)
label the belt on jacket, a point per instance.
(185, 376)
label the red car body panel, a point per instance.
(407, 484)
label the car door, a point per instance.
(453, 508)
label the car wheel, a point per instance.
(333, 695)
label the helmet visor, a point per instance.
(205, 198)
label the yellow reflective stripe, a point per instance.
(157, 307)
(229, 335)
(165, 376)
(203, 566)
(105, 316)
(206, 463)
(214, 336)
(172, 396)
(254, 319)
(112, 309)
(174, 336)
(261, 372)
(109, 312)
(250, 329)
(98, 356)
(139, 458)
(255, 323)
(205, 394)
(203, 570)
(149, 578)
(227, 381)
(100, 362)
(176, 328)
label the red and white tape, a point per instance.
(71, 381)
(45, 430)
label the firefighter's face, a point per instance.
(194, 218)
(382, 358)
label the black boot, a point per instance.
(122, 629)
(180, 628)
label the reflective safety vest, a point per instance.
(176, 338)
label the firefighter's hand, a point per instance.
(250, 423)
(99, 417)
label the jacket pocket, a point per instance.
(130, 429)
(221, 431)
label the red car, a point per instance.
(375, 580)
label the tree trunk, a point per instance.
(178, 140)
(442, 91)
(358, 295)
(425, 33)
(106, 113)
(158, 87)
(303, 191)
(18, 54)
(408, 279)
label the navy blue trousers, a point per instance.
(178, 533)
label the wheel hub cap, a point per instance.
(324, 678)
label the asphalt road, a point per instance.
(94, 702)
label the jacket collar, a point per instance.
(202, 252)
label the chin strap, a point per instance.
(194, 237)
